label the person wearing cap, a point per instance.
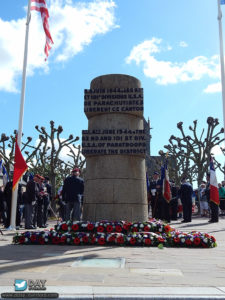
(72, 192)
(185, 193)
(156, 196)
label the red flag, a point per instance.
(165, 183)
(40, 5)
(20, 165)
(214, 192)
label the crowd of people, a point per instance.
(184, 200)
(34, 198)
(32, 203)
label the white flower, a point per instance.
(205, 240)
(141, 226)
(26, 240)
(182, 240)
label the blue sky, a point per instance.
(172, 47)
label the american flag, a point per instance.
(214, 192)
(40, 5)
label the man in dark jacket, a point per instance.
(31, 197)
(186, 192)
(72, 192)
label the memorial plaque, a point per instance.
(113, 142)
(117, 100)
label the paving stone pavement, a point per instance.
(145, 273)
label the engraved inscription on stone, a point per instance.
(113, 142)
(127, 100)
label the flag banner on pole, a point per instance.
(40, 5)
(214, 192)
(165, 183)
(20, 165)
(222, 1)
(5, 176)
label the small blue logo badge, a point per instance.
(20, 285)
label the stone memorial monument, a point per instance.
(114, 146)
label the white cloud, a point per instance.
(73, 25)
(168, 72)
(213, 88)
(183, 44)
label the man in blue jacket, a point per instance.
(72, 192)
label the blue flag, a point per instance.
(222, 1)
(5, 175)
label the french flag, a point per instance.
(214, 192)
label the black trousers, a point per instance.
(214, 211)
(165, 210)
(187, 210)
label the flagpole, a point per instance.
(221, 60)
(20, 127)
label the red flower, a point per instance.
(148, 241)
(118, 228)
(120, 240)
(76, 241)
(64, 227)
(101, 241)
(90, 226)
(146, 228)
(41, 240)
(161, 240)
(135, 229)
(126, 226)
(75, 227)
(85, 239)
(213, 239)
(33, 238)
(188, 242)
(109, 228)
(176, 240)
(197, 241)
(167, 228)
(100, 229)
(21, 239)
(55, 240)
(111, 239)
(132, 241)
(63, 239)
(93, 239)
